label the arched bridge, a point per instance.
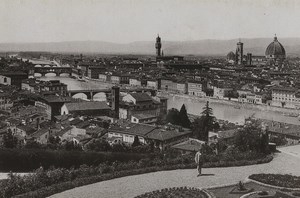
(90, 93)
(57, 70)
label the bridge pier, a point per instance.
(91, 96)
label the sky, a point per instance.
(124, 21)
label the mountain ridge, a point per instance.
(256, 46)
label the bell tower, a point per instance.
(158, 46)
(239, 53)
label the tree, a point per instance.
(250, 138)
(173, 116)
(205, 123)
(9, 140)
(183, 117)
(136, 141)
(71, 146)
(33, 145)
(264, 143)
(98, 145)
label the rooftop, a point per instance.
(189, 145)
(167, 134)
(141, 97)
(81, 106)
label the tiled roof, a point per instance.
(61, 117)
(282, 128)
(83, 124)
(81, 106)
(63, 131)
(97, 130)
(189, 145)
(75, 121)
(38, 133)
(162, 134)
(144, 116)
(54, 98)
(133, 129)
(29, 130)
(141, 97)
(227, 134)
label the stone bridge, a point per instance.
(56, 70)
(90, 93)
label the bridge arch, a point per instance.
(80, 95)
(50, 74)
(37, 75)
(38, 66)
(47, 66)
(100, 96)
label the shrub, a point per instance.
(262, 193)
(297, 194)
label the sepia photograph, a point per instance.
(149, 98)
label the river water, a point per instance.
(221, 110)
(227, 111)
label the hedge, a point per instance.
(24, 160)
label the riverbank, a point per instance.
(231, 111)
(236, 104)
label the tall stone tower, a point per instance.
(115, 101)
(158, 46)
(239, 53)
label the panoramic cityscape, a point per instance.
(151, 98)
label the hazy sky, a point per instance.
(125, 21)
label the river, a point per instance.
(221, 110)
(228, 111)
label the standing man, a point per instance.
(199, 161)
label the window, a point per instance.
(5, 80)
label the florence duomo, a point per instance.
(274, 55)
(149, 99)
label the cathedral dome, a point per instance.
(275, 50)
(231, 56)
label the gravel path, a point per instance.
(131, 186)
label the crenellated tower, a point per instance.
(158, 46)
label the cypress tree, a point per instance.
(183, 117)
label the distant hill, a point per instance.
(255, 46)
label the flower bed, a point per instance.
(175, 193)
(286, 181)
